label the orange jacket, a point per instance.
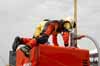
(21, 59)
(54, 27)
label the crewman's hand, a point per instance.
(43, 39)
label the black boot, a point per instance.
(66, 45)
(16, 43)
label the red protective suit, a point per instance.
(21, 59)
(54, 27)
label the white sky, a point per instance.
(19, 17)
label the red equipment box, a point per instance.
(44, 55)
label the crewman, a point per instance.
(53, 27)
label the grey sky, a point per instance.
(19, 17)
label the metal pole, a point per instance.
(75, 14)
(74, 32)
(75, 10)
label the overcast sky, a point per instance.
(19, 17)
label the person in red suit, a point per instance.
(53, 27)
(22, 47)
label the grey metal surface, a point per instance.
(12, 58)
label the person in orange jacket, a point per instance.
(53, 27)
(22, 47)
(65, 24)
(24, 55)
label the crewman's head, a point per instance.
(69, 23)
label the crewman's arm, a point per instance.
(48, 29)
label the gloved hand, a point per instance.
(43, 39)
(26, 50)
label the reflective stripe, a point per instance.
(20, 46)
(28, 64)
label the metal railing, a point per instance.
(96, 44)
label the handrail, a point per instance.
(96, 44)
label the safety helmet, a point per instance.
(70, 19)
(69, 23)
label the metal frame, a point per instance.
(97, 46)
